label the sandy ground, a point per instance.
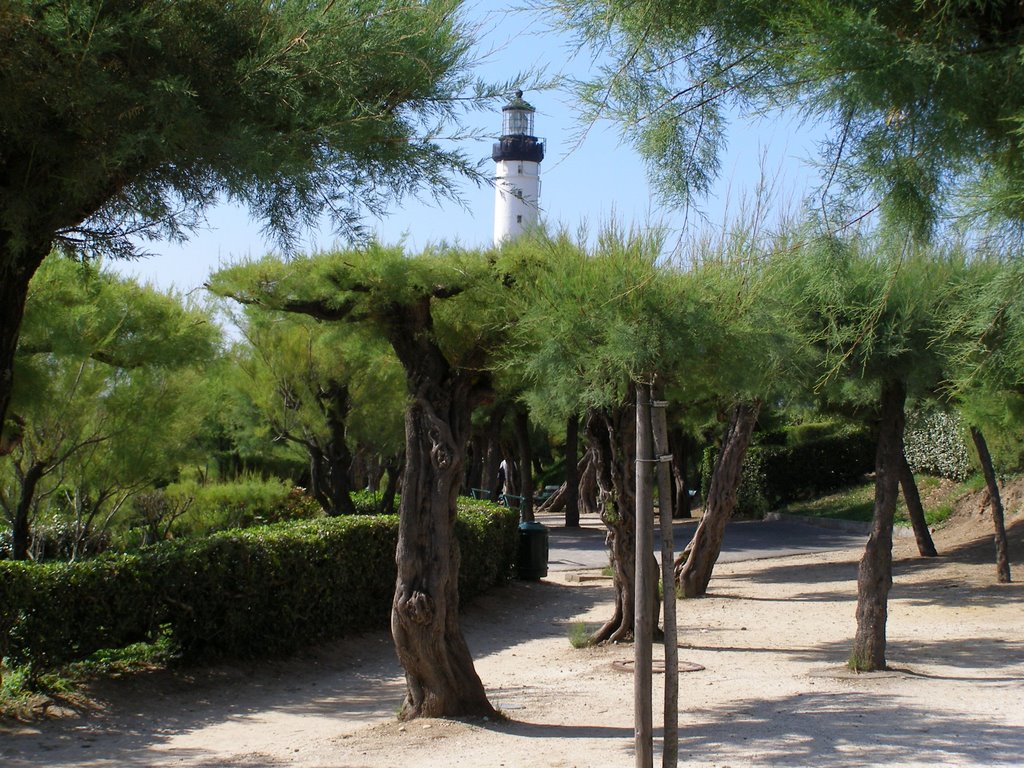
(771, 638)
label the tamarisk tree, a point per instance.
(436, 311)
(872, 308)
(130, 119)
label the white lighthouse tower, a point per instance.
(517, 157)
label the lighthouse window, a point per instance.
(519, 219)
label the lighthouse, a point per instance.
(517, 157)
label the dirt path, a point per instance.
(772, 638)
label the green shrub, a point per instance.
(368, 502)
(240, 593)
(243, 503)
(777, 474)
(488, 535)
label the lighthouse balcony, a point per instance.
(528, 148)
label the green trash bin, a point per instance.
(532, 562)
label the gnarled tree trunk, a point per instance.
(611, 439)
(441, 680)
(874, 575)
(696, 563)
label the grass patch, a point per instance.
(857, 503)
(579, 635)
(27, 695)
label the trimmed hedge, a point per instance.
(774, 475)
(242, 593)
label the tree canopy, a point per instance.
(920, 95)
(132, 118)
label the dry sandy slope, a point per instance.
(772, 637)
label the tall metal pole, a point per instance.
(670, 747)
(642, 603)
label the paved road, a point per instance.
(584, 547)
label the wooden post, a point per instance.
(670, 745)
(643, 605)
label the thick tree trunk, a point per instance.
(15, 275)
(572, 474)
(522, 422)
(874, 575)
(915, 510)
(612, 444)
(1002, 556)
(697, 561)
(441, 680)
(610, 436)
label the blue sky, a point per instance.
(581, 182)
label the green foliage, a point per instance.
(243, 503)
(934, 444)
(210, 99)
(488, 537)
(579, 635)
(775, 475)
(922, 98)
(368, 502)
(857, 503)
(106, 374)
(590, 323)
(240, 593)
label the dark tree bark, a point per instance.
(611, 437)
(476, 458)
(572, 475)
(441, 680)
(682, 446)
(491, 481)
(22, 518)
(393, 470)
(329, 464)
(915, 510)
(522, 422)
(987, 468)
(874, 575)
(15, 274)
(696, 563)
(588, 488)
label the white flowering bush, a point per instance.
(934, 444)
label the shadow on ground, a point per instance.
(355, 680)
